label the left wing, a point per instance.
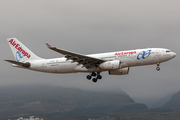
(86, 61)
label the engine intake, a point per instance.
(122, 71)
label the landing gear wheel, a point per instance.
(93, 74)
(99, 77)
(158, 68)
(94, 80)
(88, 77)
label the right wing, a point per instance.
(86, 61)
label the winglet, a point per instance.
(48, 45)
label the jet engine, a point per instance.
(122, 71)
(110, 65)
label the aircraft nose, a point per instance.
(174, 54)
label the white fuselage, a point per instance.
(128, 58)
(116, 63)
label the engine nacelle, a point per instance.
(122, 71)
(110, 65)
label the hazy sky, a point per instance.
(93, 26)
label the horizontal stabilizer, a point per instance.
(27, 64)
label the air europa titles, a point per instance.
(19, 48)
(125, 53)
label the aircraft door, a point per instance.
(158, 54)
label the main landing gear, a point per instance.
(95, 75)
(158, 68)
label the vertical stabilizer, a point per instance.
(20, 51)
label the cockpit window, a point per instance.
(168, 51)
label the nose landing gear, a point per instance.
(158, 68)
(95, 75)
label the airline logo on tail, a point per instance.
(21, 52)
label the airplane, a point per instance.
(116, 63)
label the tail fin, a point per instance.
(20, 51)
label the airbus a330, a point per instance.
(116, 63)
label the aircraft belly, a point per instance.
(66, 68)
(80, 68)
(63, 67)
